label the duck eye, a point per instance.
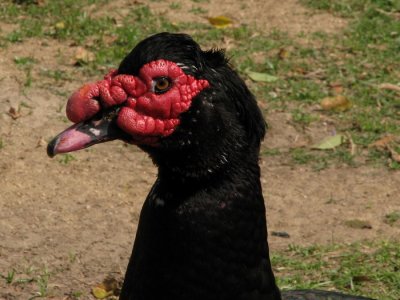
(161, 85)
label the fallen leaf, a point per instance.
(389, 86)
(337, 103)
(110, 286)
(60, 25)
(330, 142)
(283, 54)
(100, 292)
(83, 56)
(220, 21)
(261, 77)
(358, 224)
(383, 142)
(14, 113)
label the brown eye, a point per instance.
(162, 85)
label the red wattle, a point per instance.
(82, 105)
(135, 123)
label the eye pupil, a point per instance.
(162, 84)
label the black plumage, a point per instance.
(202, 232)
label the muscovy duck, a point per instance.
(202, 232)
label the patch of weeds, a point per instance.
(23, 61)
(301, 156)
(175, 5)
(59, 19)
(362, 58)
(76, 294)
(198, 10)
(271, 152)
(351, 8)
(9, 278)
(303, 118)
(57, 75)
(343, 155)
(66, 159)
(392, 217)
(394, 165)
(15, 36)
(72, 256)
(319, 160)
(42, 282)
(28, 78)
(1, 144)
(368, 269)
(320, 163)
(381, 157)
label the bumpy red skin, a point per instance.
(145, 115)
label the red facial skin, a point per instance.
(145, 115)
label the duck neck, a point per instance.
(205, 235)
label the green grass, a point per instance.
(65, 159)
(392, 217)
(368, 269)
(38, 278)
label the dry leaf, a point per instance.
(383, 142)
(108, 287)
(100, 292)
(337, 103)
(261, 77)
(220, 21)
(83, 56)
(389, 86)
(60, 25)
(300, 70)
(283, 53)
(14, 113)
(329, 142)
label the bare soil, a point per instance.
(78, 220)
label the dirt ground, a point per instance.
(78, 220)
